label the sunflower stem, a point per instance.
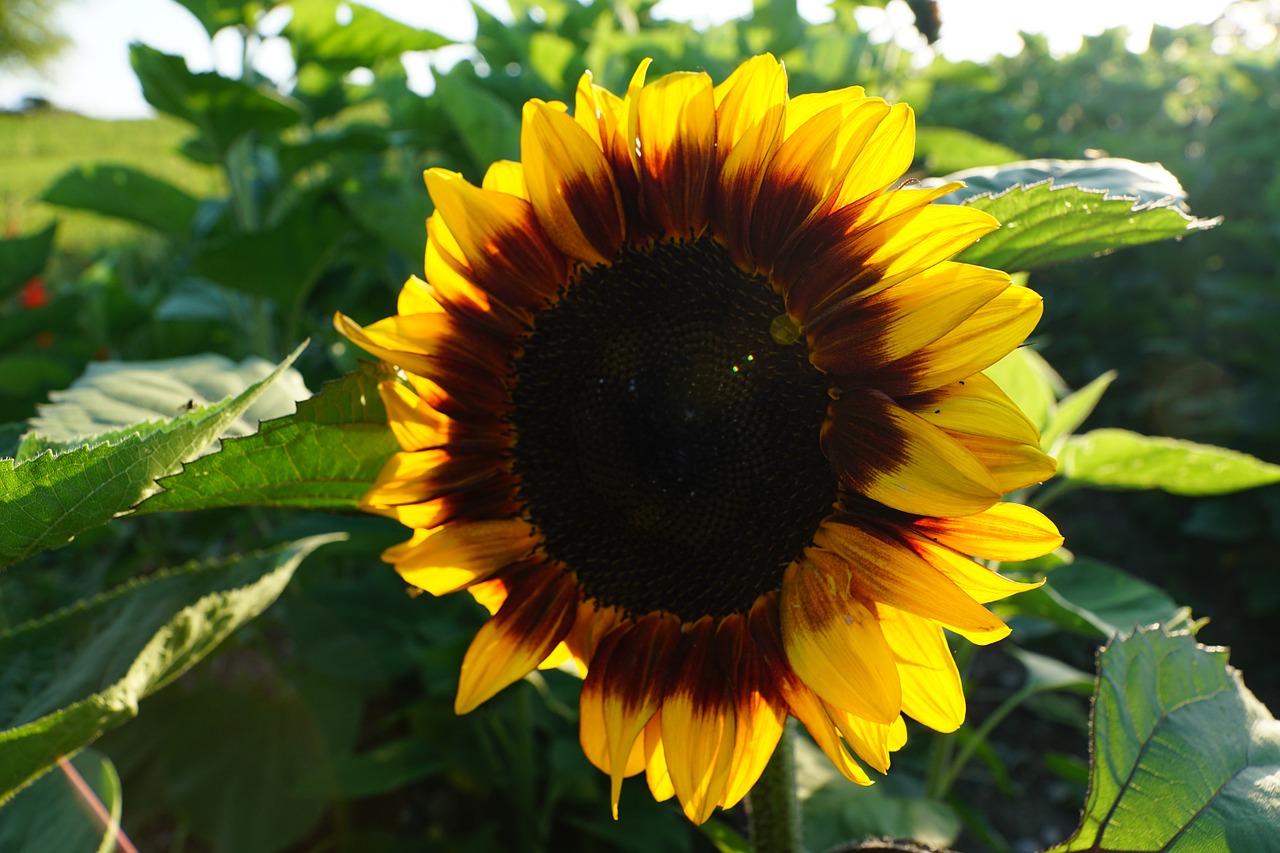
(774, 810)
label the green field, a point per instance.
(37, 147)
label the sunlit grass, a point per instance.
(37, 147)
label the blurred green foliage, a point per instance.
(327, 723)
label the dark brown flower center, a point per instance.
(667, 443)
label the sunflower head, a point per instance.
(692, 397)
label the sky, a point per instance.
(93, 76)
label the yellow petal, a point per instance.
(869, 740)
(988, 335)
(976, 406)
(888, 571)
(594, 739)
(833, 641)
(931, 690)
(896, 458)
(759, 712)
(754, 93)
(883, 158)
(826, 264)
(804, 705)
(676, 136)
(1006, 531)
(625, 687)
(804, 107)
(571, 185)
(655, 769)
(977, 581)
(1013, 465)
(500, 238)
(900, 319)
(458, 555)
(806, 169)
(416, 297)
(531, 622)
(415, 424)
(698, 729)
(631, 107)
(506, 176)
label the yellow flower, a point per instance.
(692, 397)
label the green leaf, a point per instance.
(1119, 459)
(125, 193)
(72, 675)
(113, 395)
(22, 258)
(488, 126)
(1043, 225)
(1184, 757)
(51, 814)
(1077, 209)
(1049, 674)
(221, 109)
(216, 15)
(1071, 411)
(323, 457)
(1143, 183)
(949, 149)
(281, 262)
(1095, 599)
(343, 36)
(49, 499)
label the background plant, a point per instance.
(331, 711)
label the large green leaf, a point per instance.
(1142, 183)
(215, 15)
(1059, 210)
(488, 126)
(52, 813)
(223, 110)
(343, 36)
(325, 456)
(125, 193)
(1119, 459)
(23, 257)
(281, 262)
(113, 395)
(66, 489)
(1184, 757)
(1095, 599)
(69, 677)
(1071, 411)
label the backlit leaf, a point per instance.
(1072, 410)
(343, 35)
(48, 499)
(1119, 459)
(325, 456)
(1184, 757)
(112, 395)
(1059, 210)
(221, 109)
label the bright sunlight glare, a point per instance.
(93, 76)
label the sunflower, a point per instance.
(692, 398)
